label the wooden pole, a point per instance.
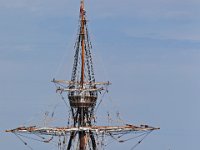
(82, 13)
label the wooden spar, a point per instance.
(78, 83)
(82, 13)
(62, 131)
(82, 135)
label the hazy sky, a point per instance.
(148, 49)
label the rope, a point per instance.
(62, 97)
(120, 141)
(39, 136)
(140, 141)
(51, 141)
(106, 91)
(19, 135)
(23, 141)
(133, 138)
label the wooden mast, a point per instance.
(82, 16)
(82, 134)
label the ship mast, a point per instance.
(82, 135)
(83, 22)
(82, 92)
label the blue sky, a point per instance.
(149, 49)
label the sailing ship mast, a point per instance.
(82, 91)
(83, 22)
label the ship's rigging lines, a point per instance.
(83, 93)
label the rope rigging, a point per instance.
(25, 143)
(139, 142)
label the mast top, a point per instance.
(82, 5)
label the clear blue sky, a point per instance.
(150, 51)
